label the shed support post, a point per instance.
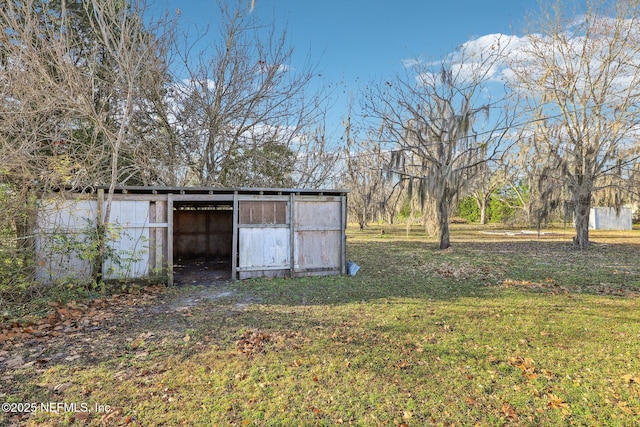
(169, 259)
(343, 235)
(292, 234)
(98, 262)
(234, 242)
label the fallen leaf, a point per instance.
(556, 403)
(61, 388)
(631, 378)
(15, 363)
(82, 416)
(509, 411)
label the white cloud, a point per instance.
(411, 63)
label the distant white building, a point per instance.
(607, 218)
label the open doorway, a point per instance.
(202, 241)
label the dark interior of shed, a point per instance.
(202, 241)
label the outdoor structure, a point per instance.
(607, 218)
(246, 232)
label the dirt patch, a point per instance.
(126, 327)
(197, 296)
(201, 272)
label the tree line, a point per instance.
(551, 117)
(100, 93)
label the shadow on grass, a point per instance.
(414, 269)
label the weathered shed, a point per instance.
(609, 218)
(251, 232)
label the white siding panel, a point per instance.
(264, 247)
(130, 242)
(130, 213)
(74, 215)
(608, 218)
(61, 238)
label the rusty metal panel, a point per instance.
(263, 248)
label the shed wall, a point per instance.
(262, 235)
(62, 235)
(264, 242)
(608, 218)
(136, 246)
(319, 229)
(129, 243)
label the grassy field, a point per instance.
(500, 329)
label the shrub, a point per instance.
(468, 209)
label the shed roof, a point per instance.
(217, 190)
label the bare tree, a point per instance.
(244, 110)
(70, 79)
(317, 164)
(43, 138)
(367, 178)
(436, 117)
(579, 76)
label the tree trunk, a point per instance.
(442, 220)
(481, 202)
(582, 209)
(483, 211)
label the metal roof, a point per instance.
(218, 190)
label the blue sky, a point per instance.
(355, 41)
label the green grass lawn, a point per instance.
(497, 330)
